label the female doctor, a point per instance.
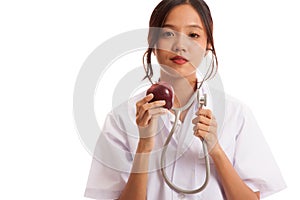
(242, 166)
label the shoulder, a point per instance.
(240, 117)
(234, 113)
(128, 107)
(226, 108)
(123, 115)
(234, 105)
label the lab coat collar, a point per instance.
(195, 106)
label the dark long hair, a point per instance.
(157, 20)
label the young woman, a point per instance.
(242, 166)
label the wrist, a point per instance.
(216, 151)
(145, 145)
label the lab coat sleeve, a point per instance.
(253, 159)
(111, 162)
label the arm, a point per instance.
(146, 119)
(234, 187)
(136, 187)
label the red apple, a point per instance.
(162, 91)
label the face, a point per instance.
(182, 42)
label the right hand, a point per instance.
(146, 118)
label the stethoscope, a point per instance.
(202, 100)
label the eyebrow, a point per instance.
(189, 26)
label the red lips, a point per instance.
(179, 60)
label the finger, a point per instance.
(149, 114)
(142, 117)
(201, 134)
(156, 112)
(139, 120)
(145, 120)
(202, 119)
(201, 127)
(214, 123)
(144, 100)
(147, 106)
(208, 129)
(156, 104)
(205, 112)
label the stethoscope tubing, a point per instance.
(204, 146)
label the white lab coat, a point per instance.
(239, 136)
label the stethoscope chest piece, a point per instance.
(202, 99)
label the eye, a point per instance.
(167, 34)
(194, 35)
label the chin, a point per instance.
(179, 73)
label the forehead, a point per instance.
(183, 15)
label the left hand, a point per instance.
(205, 128)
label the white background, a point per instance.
(44, 43)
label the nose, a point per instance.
(179, 44)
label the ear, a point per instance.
(208, 48)
(154, 50)
(206, 52)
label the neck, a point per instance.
(184, 87)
